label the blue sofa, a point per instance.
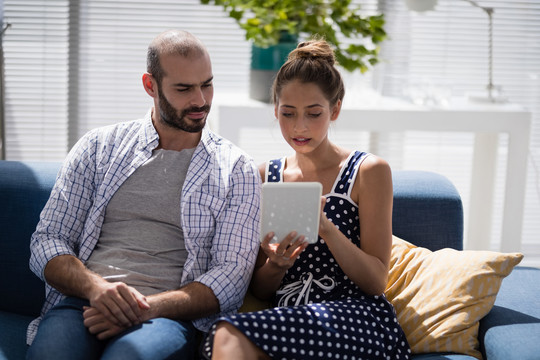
(427, 212)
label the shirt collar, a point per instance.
(148, 135)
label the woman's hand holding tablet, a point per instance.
(291, 206)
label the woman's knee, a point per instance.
(225, 333)
(231, 343)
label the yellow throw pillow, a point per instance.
(440, 296)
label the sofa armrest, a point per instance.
(427, 210)
(24, 190)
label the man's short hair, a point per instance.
(175, 42)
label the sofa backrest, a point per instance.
(24, 189)
(427, 212)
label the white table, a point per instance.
(487, 121)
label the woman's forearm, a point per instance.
(266, 280)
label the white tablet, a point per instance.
(291, 206)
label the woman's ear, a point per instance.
(149, 84)
(336, 109)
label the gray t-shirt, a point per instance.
(141, 241)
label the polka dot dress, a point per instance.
(320, 313)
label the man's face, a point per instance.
(185, 93)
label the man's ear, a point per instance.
(149, 84)
(336, 109)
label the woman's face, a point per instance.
(304, 115)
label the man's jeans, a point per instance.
(62, 335)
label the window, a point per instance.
(446, 50)
(74, 65)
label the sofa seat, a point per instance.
(511, 330)
(13, 339)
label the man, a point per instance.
(151, 229)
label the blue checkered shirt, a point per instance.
(219, 209)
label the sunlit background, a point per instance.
(74, 65)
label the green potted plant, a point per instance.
(274, 27)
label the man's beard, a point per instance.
(169, 116)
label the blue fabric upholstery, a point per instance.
(24, 189)
(13, 335)
(443, 356)
(511, 331)
(427, 212)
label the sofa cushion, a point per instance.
(511, 330)
(440, 296)
(13, 338)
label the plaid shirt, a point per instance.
(219, 206)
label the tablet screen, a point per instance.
(291, 206)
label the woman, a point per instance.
(328, 295)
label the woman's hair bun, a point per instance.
(314, 49)
(312, 61)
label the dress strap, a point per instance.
(348, 173)
(274, 170)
